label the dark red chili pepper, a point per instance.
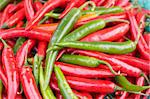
(108, 34)
(42, 46)
(59, 96)
(19, 24)
(137, 62)
(115, 67)
(18, 16)
(100, 96)
(37, 5)
(141, 46)
(70, 5)
(48, 6)
(121, 3)
(6, 14)
(10, 42)
(20, 32)
(29, 11)
(22, 52)
(11, 71)
(28, 83)
(17, 7)
(3, 77)
(105, 17)
(86, 72)
(125, 68)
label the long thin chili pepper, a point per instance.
(147, 37)
(108, 34)
(4, 3)
(28, 83)
(18, 16)
(86, 72)
(19, 24)
(29, 11)
(17, 7)
(47, 94)
(11, 71)
(63, 85)
(50, 5)
(37, 5)
(63, 28)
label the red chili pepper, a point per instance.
(125, 68)
(17, 7)
(3, 77)
(121, 3)
(141, 46)
(105, 17)
(20, 32)
(1, 46)
(28, 83)
(11, 43)
(108, 34)
(29, 11)
(137, 62)
(48, 6)
(37, 5)
(91, 85)
(18, 16)
(128, 6)
(82, 95)
(59, 96)
(19, 24)
(109, 3)
(124, 95)
(6, 14)
(86, 72)
(115, 67)
(98, 2)
(22, 52)
(42, 46)
(70, 5)
(100, 96)
(10, 69)
(147, 39)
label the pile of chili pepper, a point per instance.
(74, 49)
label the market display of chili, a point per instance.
(74, 49)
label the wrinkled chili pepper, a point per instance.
(28, 83)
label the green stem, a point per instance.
(5, 44)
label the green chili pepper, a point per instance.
(65, 26)
(127, 86)
(47, 94)
(1, 89)
(84, 61)
(63, 85)
(103, 10)
(4, 3)
(19, 42)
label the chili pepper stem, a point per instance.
(5, 44)
(87, 3)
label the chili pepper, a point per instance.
(86, 72)
(50, 5)
(125, 68)
(105, 17)
(28, 83)
(1, 89)
(109, 3)
(6, 14)
(64, 87)
(37, 5)
(141, 46)
(10, 42)
(147, 92)
(22, 52)
(47, 27)
(124, 95)
(47, 94)
(121, 80)
(59, 96)
(147, 37)
(121, 3)
(29, 11)
(18, 16)
(17, 7)
(10, 69)
(108, 34)
(91, 85)
(20, 32)
(42, 46)
(100, 96)
(63, 28)
(19, 24)
(115, 67)
(98, 2)
(1, 46)
(3, 77)
(54, 86)
(70, 5)
(4, 3)
(137, 62)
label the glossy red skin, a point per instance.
(17, 7)
(20, 32)
(140, 18)
(28, 83)
(29, 11)
(108, 34)
(147, 39)
(37, 5)
(1, 46)
(3, 77)
(137, 62)
(42, 47)
(85, 72)
(125, 68)
(100, 96)
(91, 85)
(105, 17)
(19, 24)
(121, 3)
(23, 51)
(47, 7)
(70, 5)
(6, 14)
(142, 45)
(10, 42)
(11, 71)
(115, 67)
